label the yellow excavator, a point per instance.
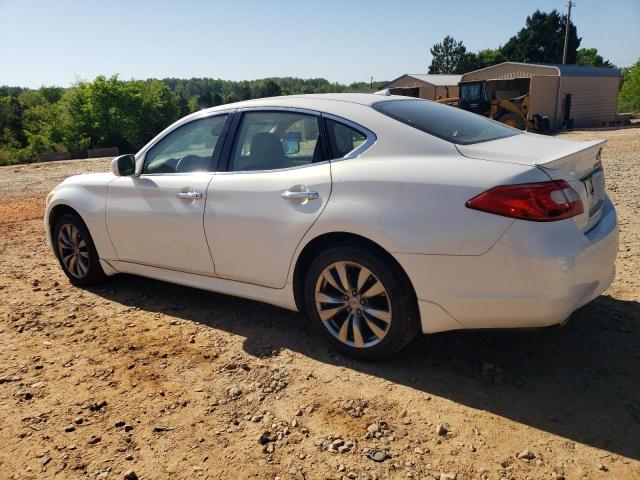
(493, 99)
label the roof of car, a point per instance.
(367, 99)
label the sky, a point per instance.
(59, 42)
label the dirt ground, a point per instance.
(171, 382)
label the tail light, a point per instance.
(537, 202)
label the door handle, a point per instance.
(303, 195)
(188, 195)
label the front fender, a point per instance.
(88, 200)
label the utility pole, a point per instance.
(371, 84)
(566, 32)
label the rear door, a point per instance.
(274, 183)
(156, 218)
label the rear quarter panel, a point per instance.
(416, 203)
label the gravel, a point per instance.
(227, 388)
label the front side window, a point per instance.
(188, 148)
(449, 123)
(273, 140)
(342, 138)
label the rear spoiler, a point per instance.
(588, 149)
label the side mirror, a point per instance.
(124, 165)
(290, 146)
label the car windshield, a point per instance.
(442, 121)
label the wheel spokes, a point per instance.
(328, 276)
(344, 328)
(324, 298)
(358, 338)
(376, 289)
(353, 304)
(81, 265)
(377, 331)
(67, 260)
(330, 312)
(363, 276)
(383, 315)
(64, 239)
(73, 250)
(341, 268)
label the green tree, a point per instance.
(629, 98)
(217, 99)
(109, 112)
(489, 57)
(451, 56)
(591, 57)
(542, 40)
(267, 88)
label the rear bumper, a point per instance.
(536, 274)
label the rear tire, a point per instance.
(76, 251)
(360, 303)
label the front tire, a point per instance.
(76, 251)
(360, 302)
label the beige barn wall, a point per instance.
(593, 100)
(544, 97)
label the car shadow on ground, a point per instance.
(581, 381)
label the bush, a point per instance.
(629, 98)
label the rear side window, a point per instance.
(442, 121)
(342, 138)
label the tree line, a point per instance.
(541, 40)
(109, 112)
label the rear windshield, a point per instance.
(449, 123)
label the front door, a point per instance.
(156, 218)
(275, 186)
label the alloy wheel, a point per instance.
(73, 250)
(353, 304)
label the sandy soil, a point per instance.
(170, 382)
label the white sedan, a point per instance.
(377, 216)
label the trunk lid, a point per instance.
(578, 163)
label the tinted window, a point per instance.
(342, 138)
(471, 91)
(189, 148)
(272, 140)
(448, 123)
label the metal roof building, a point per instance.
(570, 95)
(431, 87)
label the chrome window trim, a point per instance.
(273, 169)
(180, 174)
(266, 109)
(371, 137)
(371, 140)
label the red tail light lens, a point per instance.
(537, 202)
